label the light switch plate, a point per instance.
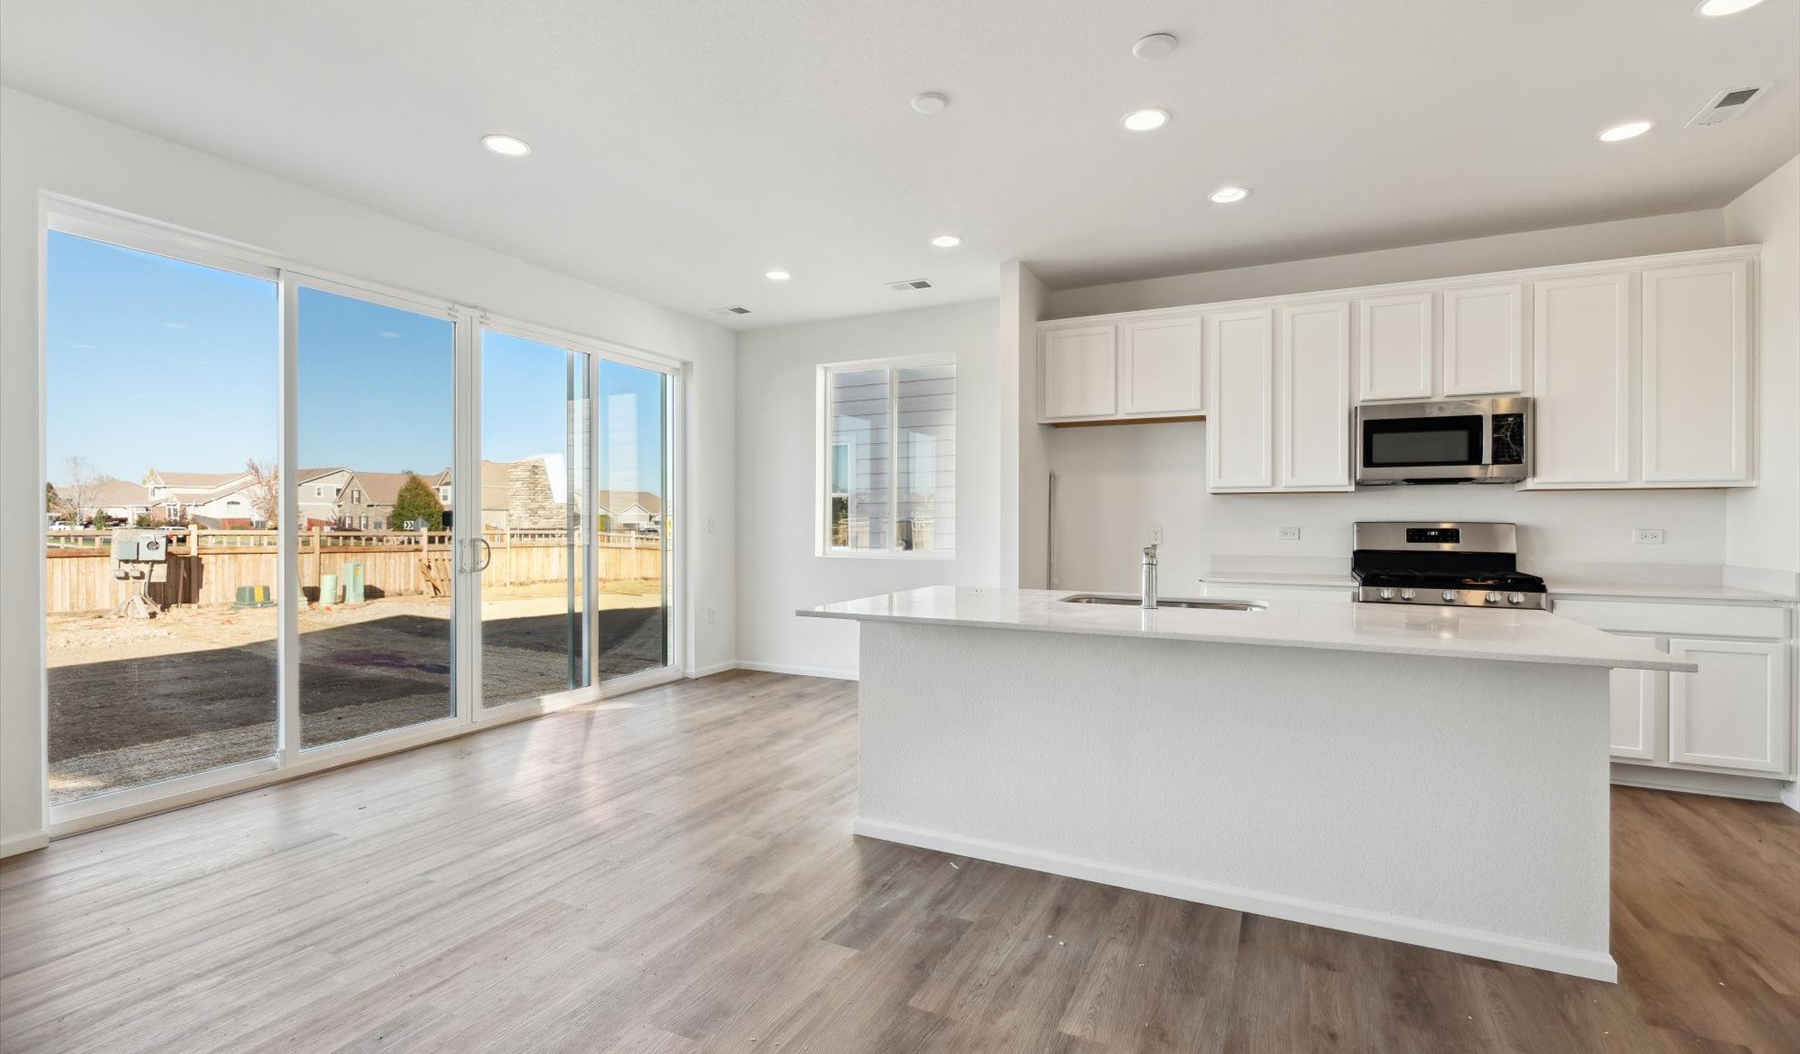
(1287, 534)
(1647, 536)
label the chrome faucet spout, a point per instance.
(1147, 586)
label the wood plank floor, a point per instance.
(674, 873)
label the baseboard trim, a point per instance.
(1717, 784)
(23, 843)
(707, 671)
(1598, 966)
(798, 671)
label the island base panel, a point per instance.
(1450, 803)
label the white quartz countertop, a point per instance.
(1446, 632)
(1556, 586)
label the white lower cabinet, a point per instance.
(1638, 699)
(1733, 714)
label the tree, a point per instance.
(51, 501)
(265, 491)
(82, 491)
(416, 501)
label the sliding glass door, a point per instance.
(160, 413)
(375, 437)
(290, 520)
(536, 523)
(635, 520)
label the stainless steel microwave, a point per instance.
(1444, 441)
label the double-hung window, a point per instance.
(887, 472)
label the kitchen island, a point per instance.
(1431, 775)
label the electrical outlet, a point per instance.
(1647, 536)
(1156, 536)
(1287, 534)
(712, 525)
(712, 616)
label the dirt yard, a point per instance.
(135, 701)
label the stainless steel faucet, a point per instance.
(1147, 590)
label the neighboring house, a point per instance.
(496, 492)
(116, 498)
(318, 491)
(188, 488)
(630, 510)
(350, 499)
(210, 499)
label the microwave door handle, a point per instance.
(1485, 456)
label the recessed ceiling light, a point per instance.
(1227, 195)
(1155, 46)
(1721, 8)
(1629, 130)
(930, 102)
(506, 145)
(777, 275)
(946, 241)
(1145, 120)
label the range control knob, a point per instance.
(1386, 593)
(1492, 598)
(1515, 598)
(1449, 596)
(1406, 594)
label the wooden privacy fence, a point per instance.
(207, 566)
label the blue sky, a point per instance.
(159, 363)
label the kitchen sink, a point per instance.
(1131, 602)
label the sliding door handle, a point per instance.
(487, 554)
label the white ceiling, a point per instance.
(683, 148)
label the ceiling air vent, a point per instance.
(734, 310)
(1727, 104)
(909, 286)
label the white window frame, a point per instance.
(822, 457)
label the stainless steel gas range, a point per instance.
(1464, 564)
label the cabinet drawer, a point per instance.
(1696, 620)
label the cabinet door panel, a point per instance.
(1581, 379)
(1637, 700)
(1315, 396)
(1159, 366)
(1240, 426)
(1484, 340)
(1697, 373)
(1396, 346)
(1733, 713)
(1079, 372)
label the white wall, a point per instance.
(1764, 522)
(1024, 471)
(779, 570)
(1113, 484)
(1592, 241)
(51, 148)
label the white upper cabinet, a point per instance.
(1641, 372)
(1240, 451)
(1160, 368)
(1396, 343)
(1484, 340)
(1078, 372)
(1581, 378)
(1314, 383)
(1696, 374)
